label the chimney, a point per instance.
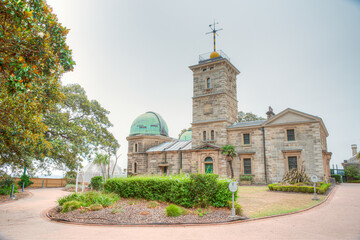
(270, 113)
(354, 149)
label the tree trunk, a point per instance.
(231, 170)
(108, 177)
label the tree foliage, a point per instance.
(33, 47)
(247, 117)
(352, 173)
(77, 128)
(33, 56)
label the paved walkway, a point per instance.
(339, 218)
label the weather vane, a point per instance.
(214, 31)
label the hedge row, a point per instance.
(188, 191)
(353, 181)
(337, 177)
(293, 188)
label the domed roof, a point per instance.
(214, 55)
(186, 135)
(149, 123)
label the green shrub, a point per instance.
(173, 211)
(25, 179)
(90, 198)
(299, 188)
(70, 186)
(97, 182)
(152, 204)
(354, 181)
(300, 184)
(71, 205)
(95, 207)
(237, 206)
(7, 190)
(337, 177)
(196, 190)
(203, 188)
(323, 188)
(352, 173)
(70, 177)
(5, 185)
(246, 178)
(201, 211)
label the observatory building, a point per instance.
(266, 149)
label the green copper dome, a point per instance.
(149, 123)
(186, 135)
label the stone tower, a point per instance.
(214, 99)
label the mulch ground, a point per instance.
(19, 195)
(127, 211)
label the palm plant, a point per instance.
(102, 160)
(230, 153)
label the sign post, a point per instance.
(233, 187)
(12, 192)
(314, 179)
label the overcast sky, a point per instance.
(133, 57)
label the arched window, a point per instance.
(212, 135)
(209, 165)
(208, 83)
(204, 135)
(135, 167)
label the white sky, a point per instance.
(133, 57)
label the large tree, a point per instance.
(247, 117)
(33, 56)
(77, 128)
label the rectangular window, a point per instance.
(290, 134)
(246, 138)
(208, 83)
(292, 162)
(247, 166)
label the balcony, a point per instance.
(205, 57)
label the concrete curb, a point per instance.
(44, 215)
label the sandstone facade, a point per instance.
(266, 149)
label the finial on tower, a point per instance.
(214, 31)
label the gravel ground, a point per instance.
(136, 212)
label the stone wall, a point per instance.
(144, 142)
(254, 151)
(307, 146)
(220, 133)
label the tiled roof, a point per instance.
(247, 124)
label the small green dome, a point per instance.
(186, 135)
(149, 123)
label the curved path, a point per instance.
(338, 218)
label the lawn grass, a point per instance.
(257, 201)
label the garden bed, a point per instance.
(132, 211)
(19, 195)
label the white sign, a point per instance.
(314, 178)
(233, 186)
